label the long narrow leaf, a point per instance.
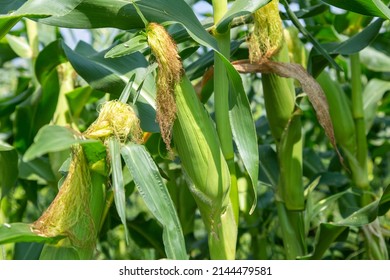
(239, 8)
(155, 194)
(52, 138)
(36, 9)
(374, 8)
(117, 182)
(21, 232)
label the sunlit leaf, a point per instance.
(374, 8)
(155, 194)
(20, 232)
(52, 138)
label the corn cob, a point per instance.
(198, 147)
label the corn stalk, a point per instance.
(267, 43)
(221, 103)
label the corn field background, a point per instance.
(187, 129)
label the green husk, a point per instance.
(198, 147)
(70, 214)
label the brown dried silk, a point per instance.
(168, 75)
(309, 85)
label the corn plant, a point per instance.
(251, 130)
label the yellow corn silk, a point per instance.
(168, 75)
(267, 36)
(116, 119)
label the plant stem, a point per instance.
(374, 240)
(358, 116)
(221, 101)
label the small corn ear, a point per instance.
(290, 163)
(340, 112)
(279, 97)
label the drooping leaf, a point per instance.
(119, 14)
(48, 59)
(384, 203)
(352, 45)
(243, 128)
(27, 251)
(156, 196)
(372, 94)
(327, 234)
(317, 46)
(21, 232)
(374, 8)
(239, 8)
(136, 43)
(34, 9)
(361, 217)
(269, 167)
(52, 138)
(375, 60)
(112, 74)
(19, 45)
(309, 85)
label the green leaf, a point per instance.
(53, 252)
(372, 94)
(155, 194)
(112, 74)
(117, 182)
(37, 169)
(239, 8)
(327, 234)
(8, 6)
(117, 13)
(48, 59)
(52, 138)
(135, 44)
(6, 52)
(269, 167)
(317, 46)
(352, 45)
(19, 45)
(38, 109)
(384, 203)
(361, 217)
(8, 105)
(21, 232)
(27, 251)
(147, 233)
(375, 60)
(374, 8)
(243, 127)
(8, 168)
(34, 9)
